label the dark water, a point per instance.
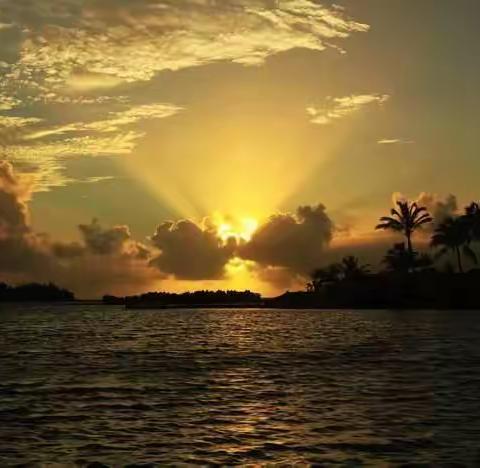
(99, 384)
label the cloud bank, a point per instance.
(108, 259)
(281, 252)
(105, 258)
(69, 54)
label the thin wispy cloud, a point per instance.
(114, 122)
(7, 121)
(44, 148)
(76, 53)
(341, 107)
(394, 141)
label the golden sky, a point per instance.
(183, 144)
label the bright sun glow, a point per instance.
(241, 229)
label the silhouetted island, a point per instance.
(195, 299)
(35, 292)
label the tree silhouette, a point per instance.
(406, 218)
(400, 260)
(472, 218)
(351, 268)
(454, 235)
(323, 276)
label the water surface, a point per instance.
(99, 384)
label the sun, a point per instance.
(241, 229)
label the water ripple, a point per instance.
(100, 386)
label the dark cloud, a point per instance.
(292, 241)
(13, 195)
(440, 209)
(29, 256)
(104, 241)
(280, 278)
(68, 250)
(190, 251)
(20, 248)
(116, 240)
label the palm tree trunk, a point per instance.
(459, 260)
(410, 249)
(409, 243)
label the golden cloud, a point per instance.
(340, 107)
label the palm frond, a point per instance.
(441, 253)
(469, 253)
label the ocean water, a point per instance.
(80, 385)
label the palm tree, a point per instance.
(351, 268)
(398, 259)
(454, 235)
(406, 218)
(472, 217)
(323, 276)
(348, 269)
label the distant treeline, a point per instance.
(428, 289)
(188, 298)
(34, 292)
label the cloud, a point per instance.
(114, 123)
(132, 41)
(280, 278)
(68, 250)
(8, 102)
(341, 107)
(17, 122)
(116, 240)
(21, 250)
(439, 208)
(46, 160)
(29, 256)
(190, 251)
(42, 147)
(293, 241)
(70, 53)
(86, 82)
(394, 141)
(14, 193)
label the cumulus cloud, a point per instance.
(29, 256)
(20, 249)
(293, 241)
(190, 251)
(439, 208)
(68, 250)
(116, 240)
(14, 192)
(340, 107)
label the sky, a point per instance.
(189, 144)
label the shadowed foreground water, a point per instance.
(100, 384)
